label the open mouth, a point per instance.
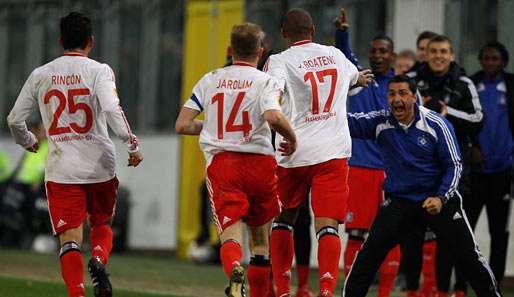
(398, 108)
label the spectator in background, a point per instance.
(404, 61)
(366, 174)
(422, 44)
(493, 159)
(446, 90)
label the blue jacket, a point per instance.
(420, 161)
(365, 152)
(495, 137)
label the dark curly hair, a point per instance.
(498, 46)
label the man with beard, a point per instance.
(446, 90)
(423, 165)
(366, 173)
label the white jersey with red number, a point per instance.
(234, 99)
(315, 80)
(77, 98)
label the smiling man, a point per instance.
(423, 165)
(446, 89)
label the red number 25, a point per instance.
(72, 108)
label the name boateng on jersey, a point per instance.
(315, 80)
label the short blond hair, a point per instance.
(246, 40)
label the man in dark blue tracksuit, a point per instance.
(423, 166)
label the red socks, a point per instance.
(101, 242)
(388, 271)
(231, 255)
(282, 252)
(429, 287)
(302, 273)
(352, 247)
(329, 249)
(258, 276)
(72, 269)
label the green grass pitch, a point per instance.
(26, 274)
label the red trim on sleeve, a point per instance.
(132, 139)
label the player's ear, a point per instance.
(229, 51)
(260, 52)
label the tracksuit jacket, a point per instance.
(496, 137)
(420, 161)
(459, 94)
(365, 152)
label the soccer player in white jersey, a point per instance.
(240, 104)
(77, 98)
(315, 80)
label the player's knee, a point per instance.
(71, 235)
(357, 234)
(260, 249)
(69, 246)
(322, 222)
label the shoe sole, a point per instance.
(237, 282)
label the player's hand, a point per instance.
(444, 109)
(341, 21)
(433, 205)
(135, 158)
(287, 147)
(365, 78)
(34, 148)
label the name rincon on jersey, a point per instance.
(73, 79)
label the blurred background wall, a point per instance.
(159, 48)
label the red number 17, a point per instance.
(309, 76)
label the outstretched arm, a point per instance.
(342, 37)
(364, 125)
